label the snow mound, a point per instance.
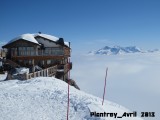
(22, 70)
(45, 98)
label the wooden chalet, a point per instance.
(41, 50)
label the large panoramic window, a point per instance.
(48, 62)
(58, 51)
(54, 51)
(47, 51)
(14, 51)
(26, 51)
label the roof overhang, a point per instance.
(9, 44)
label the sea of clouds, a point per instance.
(133, 79)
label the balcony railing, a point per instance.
(51, 71)
(64, 68)
(64, 52)
(46, 53)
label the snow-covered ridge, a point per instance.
(45, 98)
(119, 50)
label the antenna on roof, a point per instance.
(39, 32)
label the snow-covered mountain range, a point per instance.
(119, 50)
(45, 98)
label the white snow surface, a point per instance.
(22, 70)
(45, 98)
(50, 37)
(3, 77)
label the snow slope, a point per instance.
(45, 98)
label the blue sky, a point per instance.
(87, 24)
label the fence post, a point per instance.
(38, 73)
(41, 73)
(46, 72)
(34, 74)
(26, 76)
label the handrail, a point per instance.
(44, 73)
(48, 72)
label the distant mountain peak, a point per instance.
(107, 50)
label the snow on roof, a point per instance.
(66, 43)
(27, 37)
(50, 37)
(31, 38)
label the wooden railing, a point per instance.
(51, 71)
(65, 68)
(48, 72)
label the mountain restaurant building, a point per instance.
(39, 50)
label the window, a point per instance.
(43, 62)
(54, 51)
(32, 52)
(30, 62)
(48, 62)
(26, 51)
(14, 51)
(47, 51)
(58, 51)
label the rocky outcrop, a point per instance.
(72, 83)
(11, 76)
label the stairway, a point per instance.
(11, 63)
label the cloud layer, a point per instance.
(133, 80)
